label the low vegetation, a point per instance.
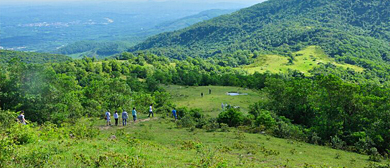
(160, 143)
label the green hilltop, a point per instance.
(352, 32)
(304, 61)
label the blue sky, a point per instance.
(205, 1)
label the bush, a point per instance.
(288, 130)
(364, 145)
(337, 142)
(50, 131)
(7, 118)
(38, 156)
(232, 117)
(7, 147)
(22, 134)
(264, 118)
(212, 125)
(186, 121)
(315, 139)
(374, 155)
(191, 118)
(83, 131)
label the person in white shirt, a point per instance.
(116, 116)
(151, 110)
(108, 115)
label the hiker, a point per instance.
(209, 91)
(134, 114)
(223, 107)
(174, 114)
(116, 116)
(201, 94)
(21, 118)
(108, 114)
(124, 118)
(151, 110)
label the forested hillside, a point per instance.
(31, 57)
(190, 20)
(353, 31)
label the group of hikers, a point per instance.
(125, 116)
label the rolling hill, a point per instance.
(31, 57)
(353, 31)
(107, 48)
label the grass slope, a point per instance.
(305, 60)
(158, 143)
(184, 96)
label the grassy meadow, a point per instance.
(305, 60)
(190, 96)
(160, 143)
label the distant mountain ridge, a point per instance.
(352, 31)
(190, 20)
(31, 57)
(106, 48)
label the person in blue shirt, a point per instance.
(21, 118)
(124, 118)
(134, 114)
(108, 115)
(174, 114)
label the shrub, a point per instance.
(22, 134)
(337, 142)
(364, 145)
(211, 125)
(49, 131)
(264, 118)
(209, 158)
(7, 118)
(224, 127)
(110, 160)
(231, 117)
(188, 145)
(374, 155)
(7, 147)
(288, 130)
(315, 139)
(186, 121)
(82, 131)
(191, 118)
